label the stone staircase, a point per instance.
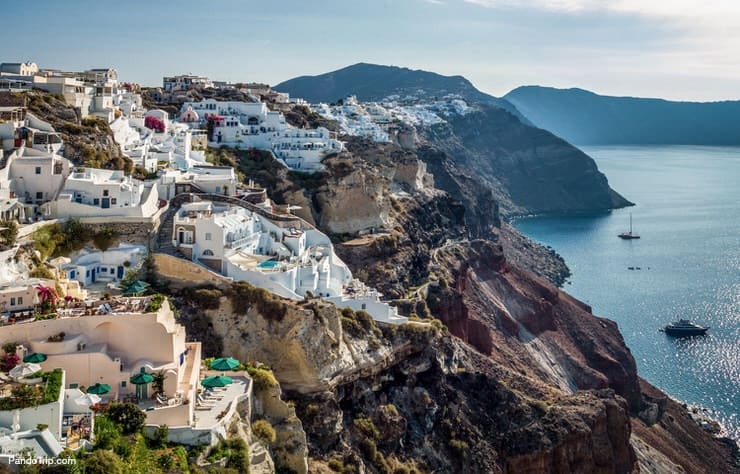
(164, 235)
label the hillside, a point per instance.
(526, 169)
(521, 375)
(373, 82)
(585, 118)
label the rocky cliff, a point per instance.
(499, 371)
(87, 141)
(528, 170)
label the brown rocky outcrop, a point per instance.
(528, 324)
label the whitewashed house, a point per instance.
(90, 192)
(253, 125)
(272, 254)
(91, 266)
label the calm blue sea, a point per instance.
(688, 215)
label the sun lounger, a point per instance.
(205, 401)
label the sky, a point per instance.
(673, 49)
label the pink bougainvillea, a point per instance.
(154, 123)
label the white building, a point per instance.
(27, 68)
(34, 178)
(370, 120)
(90, 192)
(89, 267)
(273, 254)
(185, 82)
(253, 125)
(199, 179)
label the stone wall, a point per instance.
(183, 273)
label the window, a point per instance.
(20, 300)
(113, 200)
(38, 170)
(208, 253)
(111, 271)
(74, 385)
(209, 236)
(12, 301)
(40, 195)
(105, 193)
(123, 384)
(363, 306)
(96, 201)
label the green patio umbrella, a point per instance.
(216, 381)
(142, 378)
(136, 288)
(35, 358)
(225, 363)
(99, 388)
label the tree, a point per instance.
(104, 238)
(149, 269)
(107, 433)
(103, 462)
(8, 232)
(161, 434)
(128, 416)
(10, 347)
(158, 381)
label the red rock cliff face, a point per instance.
(528, 325)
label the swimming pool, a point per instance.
(269, 264)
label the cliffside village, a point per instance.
(105, 342)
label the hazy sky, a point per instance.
(676, 49)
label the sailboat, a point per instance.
(630, 234)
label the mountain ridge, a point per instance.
(584, 117)
(349, 80)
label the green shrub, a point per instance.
(104, 238)
(244, 296)
(336, 465)
(53, 385)
(103, 462)
(263, 379)
(8, 232)
(202, 298)
(10, 347)
(366, 426)
(128, 416)
(107, 433)
(155, 303)
(264, 431)
(160, 435)
(122, 447)
(459, 447)
(41, 271)
(368, 449)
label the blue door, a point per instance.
(93, 275)
(120, 272)
(105, 203)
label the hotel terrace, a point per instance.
(121, 344)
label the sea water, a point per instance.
(687, 212)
